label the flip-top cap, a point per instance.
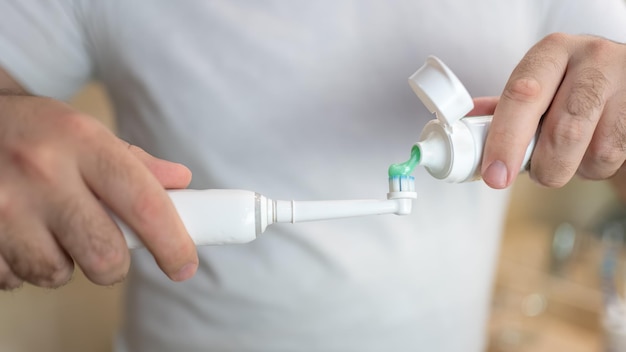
(441, 91)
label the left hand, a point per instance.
(575, 86)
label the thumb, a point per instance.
(171, 175)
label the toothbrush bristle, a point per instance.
(402, 184)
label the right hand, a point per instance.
(57, 169)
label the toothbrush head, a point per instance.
(401, 187)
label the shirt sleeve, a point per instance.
(43, 46)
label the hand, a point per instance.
(58, 168)
(575, 86)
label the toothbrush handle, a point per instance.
(211, 217)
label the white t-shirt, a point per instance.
(300, 100)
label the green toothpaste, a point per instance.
(407, 167)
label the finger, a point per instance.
(525, 98)
(135, 195)
(569, 125)
(87, 233)
(607, 151)
(170, 175)
(33, 255)
(484, 106)
(8, 280)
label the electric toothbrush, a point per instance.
(229, 216)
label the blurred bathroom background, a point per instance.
(558, 283)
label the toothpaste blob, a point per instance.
(407, 167)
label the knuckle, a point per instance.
(8, 280)
(555, 176)
(550, 182)
(587, 93)
(37, 160)
(10, 284)
(56, 273)
(522, 89)
(555, 39)
(102, 260)
(595, 174)
(603, 158)
(79, 125)
(611, 157)
(567, 132)
(596, 171)
(524, 86)
(71, 126)
(599, 49)
(41, 267)
(44, 272)
(105, 264)
(607, 155)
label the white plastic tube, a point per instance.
(454, 153)
(227, 216)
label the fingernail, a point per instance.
(496, 174)
(186, 272)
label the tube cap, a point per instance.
(441, 91)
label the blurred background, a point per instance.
(559, 274)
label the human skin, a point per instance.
(59, 169)
(575, 87)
